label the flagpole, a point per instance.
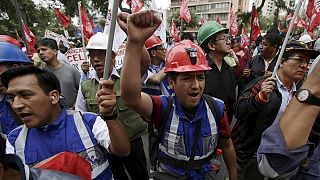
(81, 29)
(66, 32)
(107, 61)
(15, 4)
(286, 38)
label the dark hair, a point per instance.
(258, 40)
(274, 39)
(187, 35)
(3, 151)
(204, 45)
(47, 80)
(51, 43)
(273, 30)
(173, 75)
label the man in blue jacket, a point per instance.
(50, 129)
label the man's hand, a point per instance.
(267, 74)
(246, 72)
(268, 86)
(106, 97)
(142, 25)
(122, 21)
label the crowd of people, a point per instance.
(192, 100)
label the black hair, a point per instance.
(204, 45)
(274, 39)
(47, 80)
(273, 30)
(51, 43)
(3, 151)
(187, 35)
(173, 75)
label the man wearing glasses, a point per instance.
(264, 101)
(220, 80)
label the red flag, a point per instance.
(310, 8)
(174, 31)
(218, 20)
(30, 38)
(297, 23)
(255, 27)
(87, 25)
(315, 18)
(245, 40)
(233, 22)
(64, 20)
(136, 5)
(184, 11)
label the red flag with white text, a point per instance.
(136, 5)
(184, 11)
(233, 23)
(315, 18)
(64, 20)
(30, 38)
(255, 27)
(297, 23)
(87, 25)
(245, 40)
(174, 31)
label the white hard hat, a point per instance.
(306, 38)
(98, 41)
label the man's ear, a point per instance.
(281, 62)
(153, 52)
(171, 82)
(54, 96)
(211, 46)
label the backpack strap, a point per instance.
(213, 106)
(164, 118)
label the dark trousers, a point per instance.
(135, 163)
(247, 168)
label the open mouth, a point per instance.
(25, 116)
(193, 94)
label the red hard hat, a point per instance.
(153, 41)
(186, 56)
(9, 39)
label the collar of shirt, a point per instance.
(58, 123)
(224, 65)
(113, 73)
(282, 88)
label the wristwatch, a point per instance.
(305, 96)
(112, 116)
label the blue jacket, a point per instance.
(7, 123)
(178, 137)
(69, 133)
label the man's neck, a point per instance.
(156, 61)
(217, 58)
(55, 63)
(270, 57)
(55, 113)
(286, 81)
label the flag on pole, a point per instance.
(64, 20)
(310, 8)
(218, 20)
(245, 40)
(87, 25)
(297, 23)
(174, 31)
(184, 11)
(233, 22)
(136, 5)
(255, 27)
(314, 5)
(30, 38)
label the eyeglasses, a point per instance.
(224, 37)
(302, 60)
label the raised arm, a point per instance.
(294, 120)
(141, 26)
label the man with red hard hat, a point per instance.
(191, 125)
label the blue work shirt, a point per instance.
(7, 123)
(64, 136)
(276, 160)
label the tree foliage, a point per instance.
(176, 14)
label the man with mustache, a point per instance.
(264, 101)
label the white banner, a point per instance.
(120, 55)
(76, 57)
(57, 37)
